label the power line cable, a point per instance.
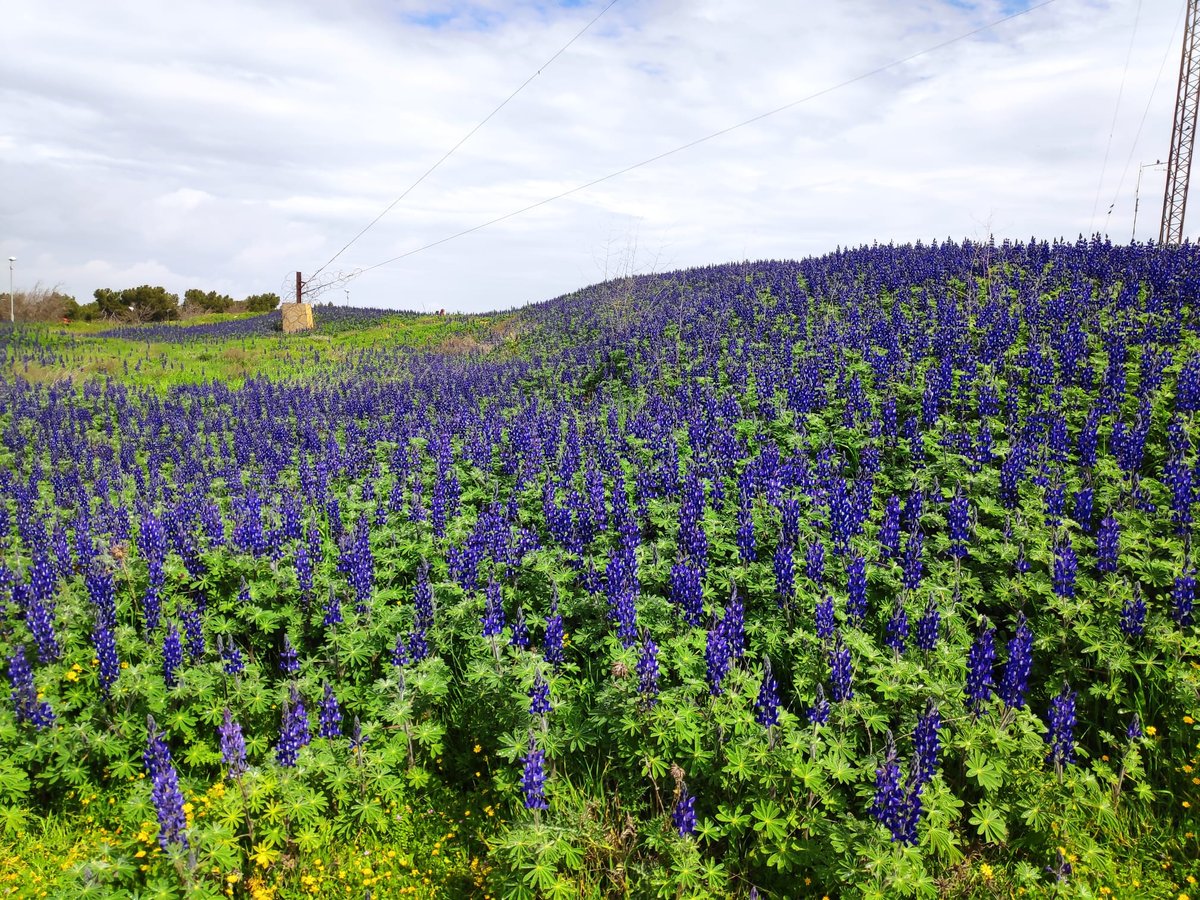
(653, 159)
(561, 50)
(1116, 110)
(1149, 102)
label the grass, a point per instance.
(77, 353)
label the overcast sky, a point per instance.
(225, 144)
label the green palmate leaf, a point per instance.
(989, 823)
(13, 820)
(944, 844)
(988, 773)
(769, 818)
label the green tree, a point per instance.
(86, 313)
(209, 301)
(261, 302)
(110, 303)
(151, 303)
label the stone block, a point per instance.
(297, 317)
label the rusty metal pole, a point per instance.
(1183, 132)
(299, 287)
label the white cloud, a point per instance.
(224, 145)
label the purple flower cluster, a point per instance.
(293, 729)
(329, 714)
(172, 655)
(766, 706)
(533, 780)
(683, 816)
(1060, 729)
(233, 745)
(647, 671)
(27, 704)
(164, 789)
(1015, 681)
(980, 660)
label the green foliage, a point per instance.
(260, 303)
(147, 303)
(209, 301)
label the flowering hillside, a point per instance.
(866, 574)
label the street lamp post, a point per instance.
(12, 309)
(1138, 190)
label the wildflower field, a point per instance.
(871, 574)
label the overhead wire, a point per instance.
(1149, 102)
(561, 50)
(1116, 111)
(716, 134)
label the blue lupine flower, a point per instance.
(289, 660)
(1015, 681)
(400, 652)
(1134, 730)
(233, 745)
(293, 730)
(815, 562)
(980, 659)
(164, 789)
(913, 565)
(26, 705)
(647, 670)
(897, 627)
(330, 714)
(1022, 564)
(333, 609)
(358, 740)
(766, 707)
(841, 671)
(717, 658)
(553, 643)
(1065, 566)
(172, 655)
(1108, 544)
(230, 655)
(745, 533)
(927, 627)
(539, 696)
(818, 713)
(193, 630)
(684, 814)
(1060, 731)
(39, 617)
(687, 590)
(888, 805)
(958, 520)
(927, 744)
(824, 619)
(1084, 502)
(520, 631)
(493, 616)
(856, 585)
(418, 639)
(533, 781)
(1183, 598)
(1061, 870)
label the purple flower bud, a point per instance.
(164, 790)
(533, 781)
(684, 814)
(766, 707)
(233, 745)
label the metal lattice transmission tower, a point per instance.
(1183, 133)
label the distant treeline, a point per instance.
(146, 303)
